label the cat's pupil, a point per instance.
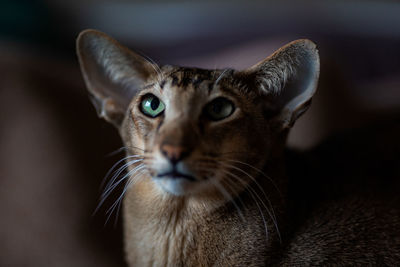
(217, 107)
(155, 102)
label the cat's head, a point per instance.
(188, 130)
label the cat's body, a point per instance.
(207, 168)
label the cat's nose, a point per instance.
(174, 153)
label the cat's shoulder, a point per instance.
(344, 198)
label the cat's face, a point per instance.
(191, 131)
(193, 126)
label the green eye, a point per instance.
(219, 109)
(152, 106)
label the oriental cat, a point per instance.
(205, 173)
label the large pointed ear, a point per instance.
(113, 74)
(289, 77)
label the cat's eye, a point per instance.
(152, 106)
(218, 109)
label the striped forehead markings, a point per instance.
(162, 83)
(184, 78)
(175, 80)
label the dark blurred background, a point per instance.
(53, 149)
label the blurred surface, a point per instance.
(53, 147)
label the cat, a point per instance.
(207, 180)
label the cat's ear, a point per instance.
(290, 77)
(113, 74)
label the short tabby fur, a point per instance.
(207, 181)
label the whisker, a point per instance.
(272, 215)
(154, 66)
(249, 165)
(226, 194)
(259, 171)
(251, 191)
(238, 195)
(124, 148)
(160, 76)
(120, 169)
(115, 165)
(220, 76)
(117, 203)
(252, 178)
(111, 187)
(201, 167)
(262, 190)
(228, 197)
(255, 200)
(119, 150)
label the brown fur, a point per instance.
(240, 224)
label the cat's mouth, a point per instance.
(176, 175)
(179, 180)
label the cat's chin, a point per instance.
(179, 186)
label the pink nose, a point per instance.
(174, 153)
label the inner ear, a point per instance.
(288, 78)
(113, 74)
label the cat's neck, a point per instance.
(160, 229)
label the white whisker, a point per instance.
(133, 179)
(228, 197)
(220, 76)
(259, 171)
(115, 165)
(255, 200)
(251, 191)
(121, 169)
(112, 184)
(271, 214)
